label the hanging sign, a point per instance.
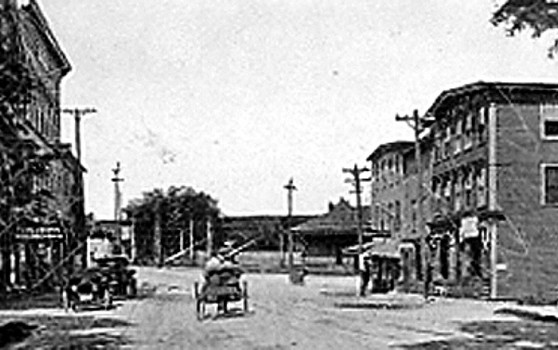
(39, 233)
(469, 227)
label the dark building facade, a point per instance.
(41, 177)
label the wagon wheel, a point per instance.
(245, 295)
(107, 299)
(200, 305)
(223, 306)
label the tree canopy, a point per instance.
(178, 208)
(539, 16)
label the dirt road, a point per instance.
(284, 316)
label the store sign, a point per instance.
(469, 227)
(125, 233)
(39, 233)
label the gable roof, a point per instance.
(340, 220)
(33, 9)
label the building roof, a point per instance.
(396, 146)
(35, 12)
(254, 222)
(340, 220)
(447, 96)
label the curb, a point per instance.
(376, 305)
(528, 314)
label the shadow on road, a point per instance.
(68, 332)
(498, 335)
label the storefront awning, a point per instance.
(388, 248)
(353, 250)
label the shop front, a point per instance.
(36, 258)
(386, 265)
(460, 255)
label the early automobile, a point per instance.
(116, 269)
(88, 288)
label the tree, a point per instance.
(175, 207)
(538, 15)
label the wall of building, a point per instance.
(528, 238)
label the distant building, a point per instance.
(328, 234)
(266, 229)
(396, 250)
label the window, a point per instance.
(549, 122)
(550, 184)
(447, 143)
(457, 138)
(382, 222)
(468, 132)
(377, 215)
(390, 221)
(482, 123)
(397, 223)
(457, 190)
(447, 194)
(468, 188)
(481, 188)
(414, 213)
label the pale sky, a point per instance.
(235, 97)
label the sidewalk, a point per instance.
(533, 312)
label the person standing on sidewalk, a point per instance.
(364, 271)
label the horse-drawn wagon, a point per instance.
(221, 287)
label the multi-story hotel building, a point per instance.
(42, 178)
(490, 194)
(494, 188)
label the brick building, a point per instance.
(43, 211)
(490, 195)
(396, 253)
(494, 182)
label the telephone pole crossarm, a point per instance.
(356, 180)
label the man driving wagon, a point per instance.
(221, 282)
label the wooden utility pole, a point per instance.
(356, 181)
(117, 195)
(418, 126)
(209, 238)
(290, 187)
(157, 235)
(191, 240)
(78, 113)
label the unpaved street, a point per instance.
(284, 316)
